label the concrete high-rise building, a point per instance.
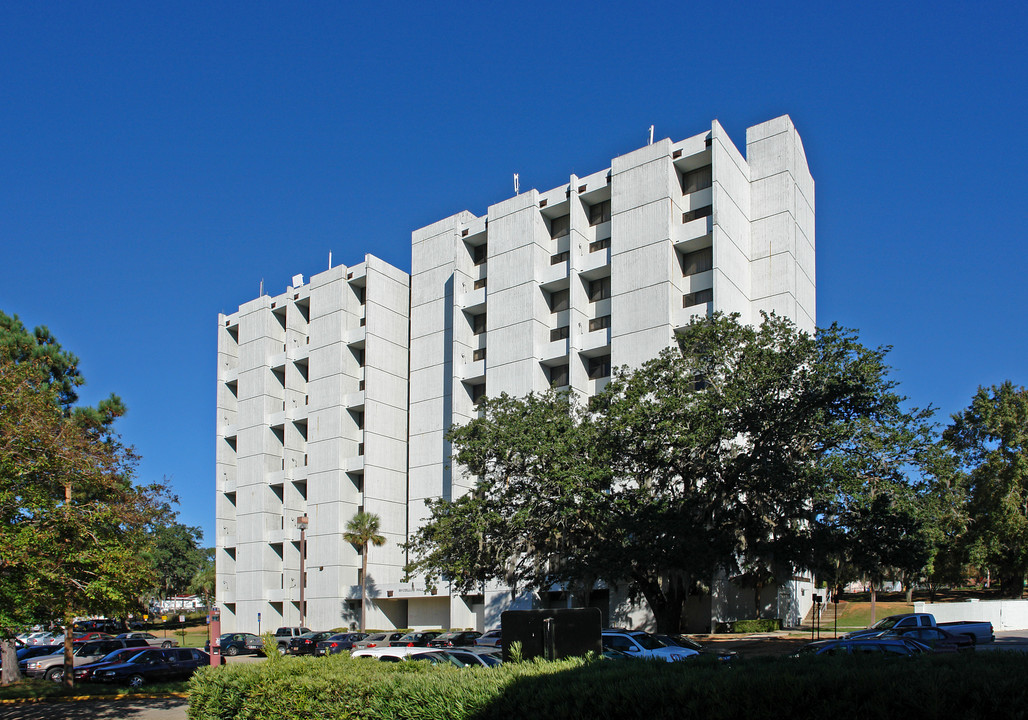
(555, 288)
(312, 427)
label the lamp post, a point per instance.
(302, 522)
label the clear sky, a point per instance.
(158, 160)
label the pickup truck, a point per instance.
(979, 632)
(284, 635)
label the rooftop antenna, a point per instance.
(516, 185)
(329, 259)
(262, 288)
(651, 136)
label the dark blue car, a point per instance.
(154, 666)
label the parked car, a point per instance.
(492, 638)
(436, 656)
(936, 638)
(688, 642)
(87, 672)
(87, 636)
(979, 632)
(338, 643)
(27, 652)
(307, 643)
(377, 640)
(860, 646)
(233, 644)
(415, 639)
(284, 634)
(51, 667)
(151, 640)
(455, 638)
(154, 665)
(643, 645)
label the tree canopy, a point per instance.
(990, 442)
(73, 526)
(742, 451)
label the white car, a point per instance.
(639, 644)
(436, 656)
(151, 640)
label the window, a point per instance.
(697, 179)
(599, 323)
(559, 376)
(599, 213)
(599, 289)
(697, 262)
(697, 213)
(559, 300)
(477, 392)
(479, 254)
(698, 298)
(478, 355)
(478, 324)
(599, 367)
(560, 226)
(599, 245)
(559, 257)
(559, 333)
(479, 284)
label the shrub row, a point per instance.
(755, 626)
(987, 685)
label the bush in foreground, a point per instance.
(983, 685)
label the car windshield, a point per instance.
(886, 623)
(648, 641)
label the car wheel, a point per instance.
(282, 649)
(232, 651)
(166, 644)
(55, 674)
(136, 681)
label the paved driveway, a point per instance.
(163, 709)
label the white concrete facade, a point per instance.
(312, 421)
(547, 288)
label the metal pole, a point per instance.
(302, 522)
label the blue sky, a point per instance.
(158, 160)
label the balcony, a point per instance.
(596, 339)
(554, 350)
(473, 301)
(554, 273)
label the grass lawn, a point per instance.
(43, 689)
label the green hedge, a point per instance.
(988, 685)
(756, 626)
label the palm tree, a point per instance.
(360, 531)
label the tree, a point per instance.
(990, 441)
(540, 515)
(204, 579)
(722, 455)
(72, 524)
(361, 531)
(176, 552)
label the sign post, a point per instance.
(258, 624)
(214, 630)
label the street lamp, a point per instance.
(302, 522)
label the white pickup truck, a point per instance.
(979, 632)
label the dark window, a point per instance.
(477, 392)
(697, 179)
(599, 245)
(560, 226)
(698, 298)
(559, 333)
(599, 289)
(559, 376)
(559, 257)
(599, 323)
(697, 262)
(559, 300)
(599, 367)
(479, 284)
(478, 355)
(478, 324)
(697, 213)
(479, 253)
(599, 213)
